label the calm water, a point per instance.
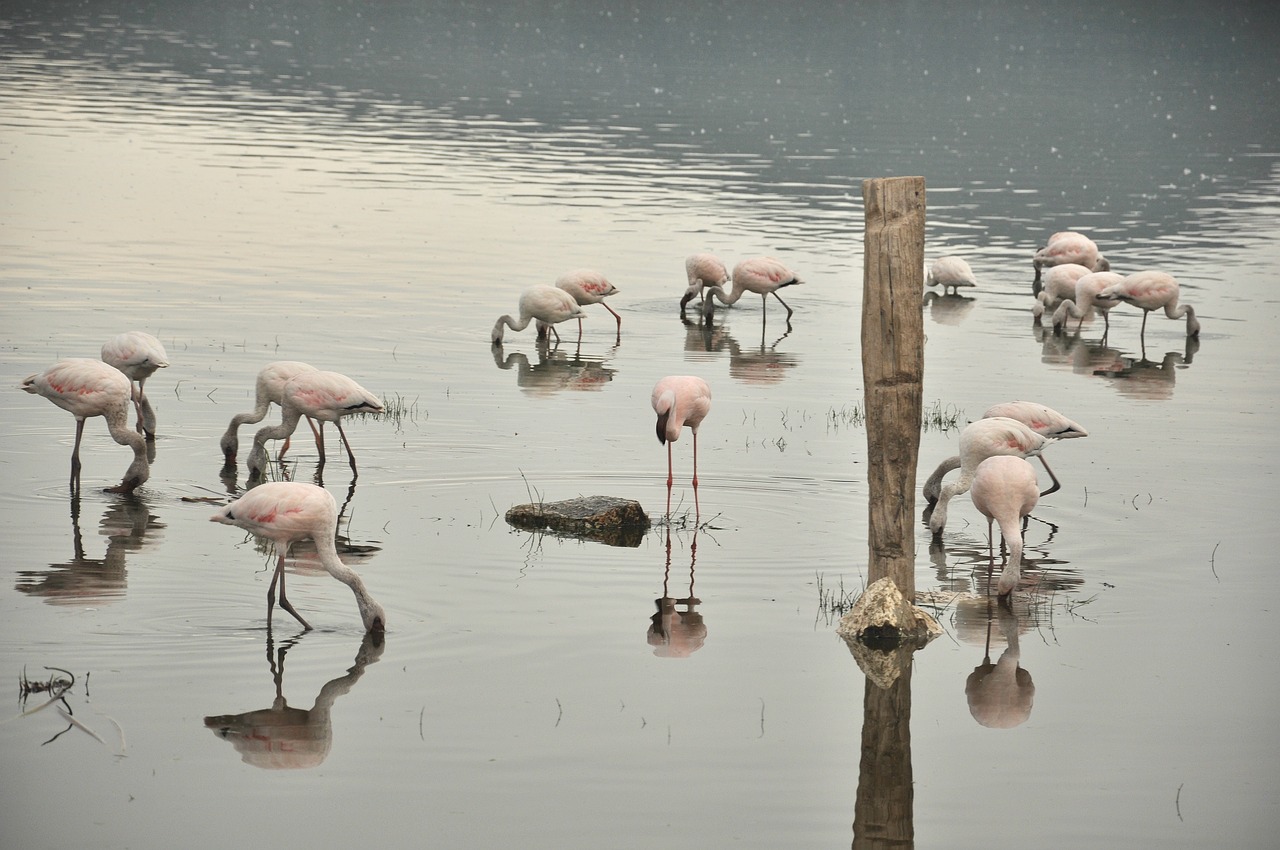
(367, 188)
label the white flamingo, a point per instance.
(1059, 285)
(679, 401)
(950, 271)
(1088, 288)
(587, 287)
(543, 302)
(763, 276)
(269, 389)
(138, 355)
(322, 396)
(1005, 490)
(1152, 290)
(1067, 246)
(702, 270)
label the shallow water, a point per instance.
(367, 189)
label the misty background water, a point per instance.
(367, 188)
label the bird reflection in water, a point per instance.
(1131, 377)
(948, 309)
(751, 365)
(555, 370)
(285, 738)
(1000, 695)
(675, 633)
(128, 525)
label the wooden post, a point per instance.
(893, 369)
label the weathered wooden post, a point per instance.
(893, 369)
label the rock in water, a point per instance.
(617, 522)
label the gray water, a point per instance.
(367, 187)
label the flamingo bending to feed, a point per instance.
(761, 275)
(86, 388)
(285, 512)
(138, 355)
(1067, 246)
(1059, 285)
(586, 287)
(951, 272)
(702, 270)
(680, 400)
(1005, 490)
(322, 396)
(269, 389)
(980, 440)
(1088, 289)
(1044, 420)
(545, 303)
(1149, 291)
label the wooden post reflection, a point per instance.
(882, 814)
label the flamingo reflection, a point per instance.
(948, 309)
(675, 633)
(1001, 695)
(284, 738)
(749, 364)
(555, 370)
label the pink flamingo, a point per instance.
(702, 270)
(269, 389)
(980, 440)
(1040, 418)
(1069, 247)
(322, 396)
(1151, 290)
(138, 355)
(1088, 288)
(86, 388)
(1059, 284)
(680, 400)
(588, 287)
(953, 272)
(761, 275)
(1005, 490)
(285, 512)
(545, 303)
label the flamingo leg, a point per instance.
(784, 304)
(75, 458)
(615, 315)
(670, 478)
(1056, 485)
(579, 329)
(697, 509)
(350, 455)
(320, 443)
(284, 602)
(991, 554)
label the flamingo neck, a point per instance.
(371, 613)
(1011, 531)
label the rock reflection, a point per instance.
(128, 525)
(751, 365)
(285, 738)
(1131, 377)
(555, 370)
(675, 633)
(948, 309)
(1000, 695)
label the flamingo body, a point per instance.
(589, 287)
(1004, 490)
(980, 440)
(702, 270)
(1070, 247)
(285, 512)
(1087, 296)
(138, 355)
(1152, 290)
(543, 302)
(950, 272)
(86, 388)
(268, 390)
(763, 276)
(1059, 284)
(680, 401)
(322, 396)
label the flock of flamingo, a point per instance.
(993, 450)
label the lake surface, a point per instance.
(368, 187)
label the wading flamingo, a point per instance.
(269, 389)
(953, 272)
(322, 396)
(1045, 421)
(1068, 247)
(702, 270)
(761, 275)
(680, 400)
(1149, 291)
(138, 355)
(1004, 490)
(1059, 285)
(1088, 288)
(980, 440)
(587, 287)
(285, 512)
(546, 304)
(86, 388)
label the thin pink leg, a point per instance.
(670, 478)
(75, 457)
(350, 456)
(697, 510)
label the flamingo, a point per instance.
(545, 303)
(322, 396)
(138, 355)
(680, 400)
(702, 270)
(270, 388)
(980, 440)
(285, 512)
(762, 275)
(586, 287)
(1059, 285)
(1004, 490)
(86, 388)
(1069, 247)
(951, 272)
(1044, 420)
(1151, 290)
(1088, 288)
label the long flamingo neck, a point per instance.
(718, 292)
(288, 424)
(371, 612)
(1011, 530)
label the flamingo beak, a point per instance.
(662, 428)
